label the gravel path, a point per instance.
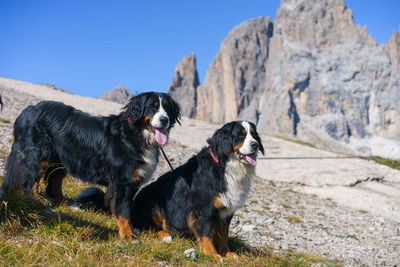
(279, 214)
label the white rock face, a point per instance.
(312, 75)
(327, 81)
(184, 84)
(237, 73)
(393, 50)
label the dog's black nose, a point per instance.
(164, 120)
(254, 145)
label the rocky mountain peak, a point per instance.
(319, 23)
(119, 94)
(393, 50)
(184, 84)
(237, 73)
(312, 75)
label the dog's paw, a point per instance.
(232, 255)
(167, 239)
(136, 231)
(50, 212)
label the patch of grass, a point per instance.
(303, 143)
(239, 215)
(253, 202)
(363, 211)
(293, 219)
(18, 212)
(2, 120)
(286, 205)
(31, 236)
(3, 154)
(312, 258)
(394, 164)
(271, 236)
(353, 237)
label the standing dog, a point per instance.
(200, 197)
(119, 151)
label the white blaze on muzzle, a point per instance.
(160, 130)
(246, 150)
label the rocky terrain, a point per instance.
(311, 74)
(119, 94)
(335, 209)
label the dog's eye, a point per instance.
(156, 104)
(164, 103)
(251, 130)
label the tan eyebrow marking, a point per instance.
(243, 131)
(156, 104)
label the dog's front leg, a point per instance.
(221, 232)
(203, 231)
(121, 209)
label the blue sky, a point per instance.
(88, 47)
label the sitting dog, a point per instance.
(119, 151)
(200, 197)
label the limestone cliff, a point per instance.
(237, 73)
(184, 84)
(313, 75)
(393, 50)
(327, 80)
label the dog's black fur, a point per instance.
(187, 200)
(52, 139)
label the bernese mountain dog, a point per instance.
(200, 197)
(119, 151)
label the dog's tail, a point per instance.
(92, 197)
(11, 178)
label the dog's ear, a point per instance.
(261, 147)
(257, 138)
(221, 141)
(134, 110)
(174, 110)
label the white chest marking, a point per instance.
(238, 178)
(150, 157)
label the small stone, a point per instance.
(249, 228)
(191, 253)
(163, 263)
(75, 207)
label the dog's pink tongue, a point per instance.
(161, 137)
(251, 159)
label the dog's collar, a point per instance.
(215, 158)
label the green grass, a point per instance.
(394, 164)
(2, 120)
(30, 236)
(3, 154)
(293, 219)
